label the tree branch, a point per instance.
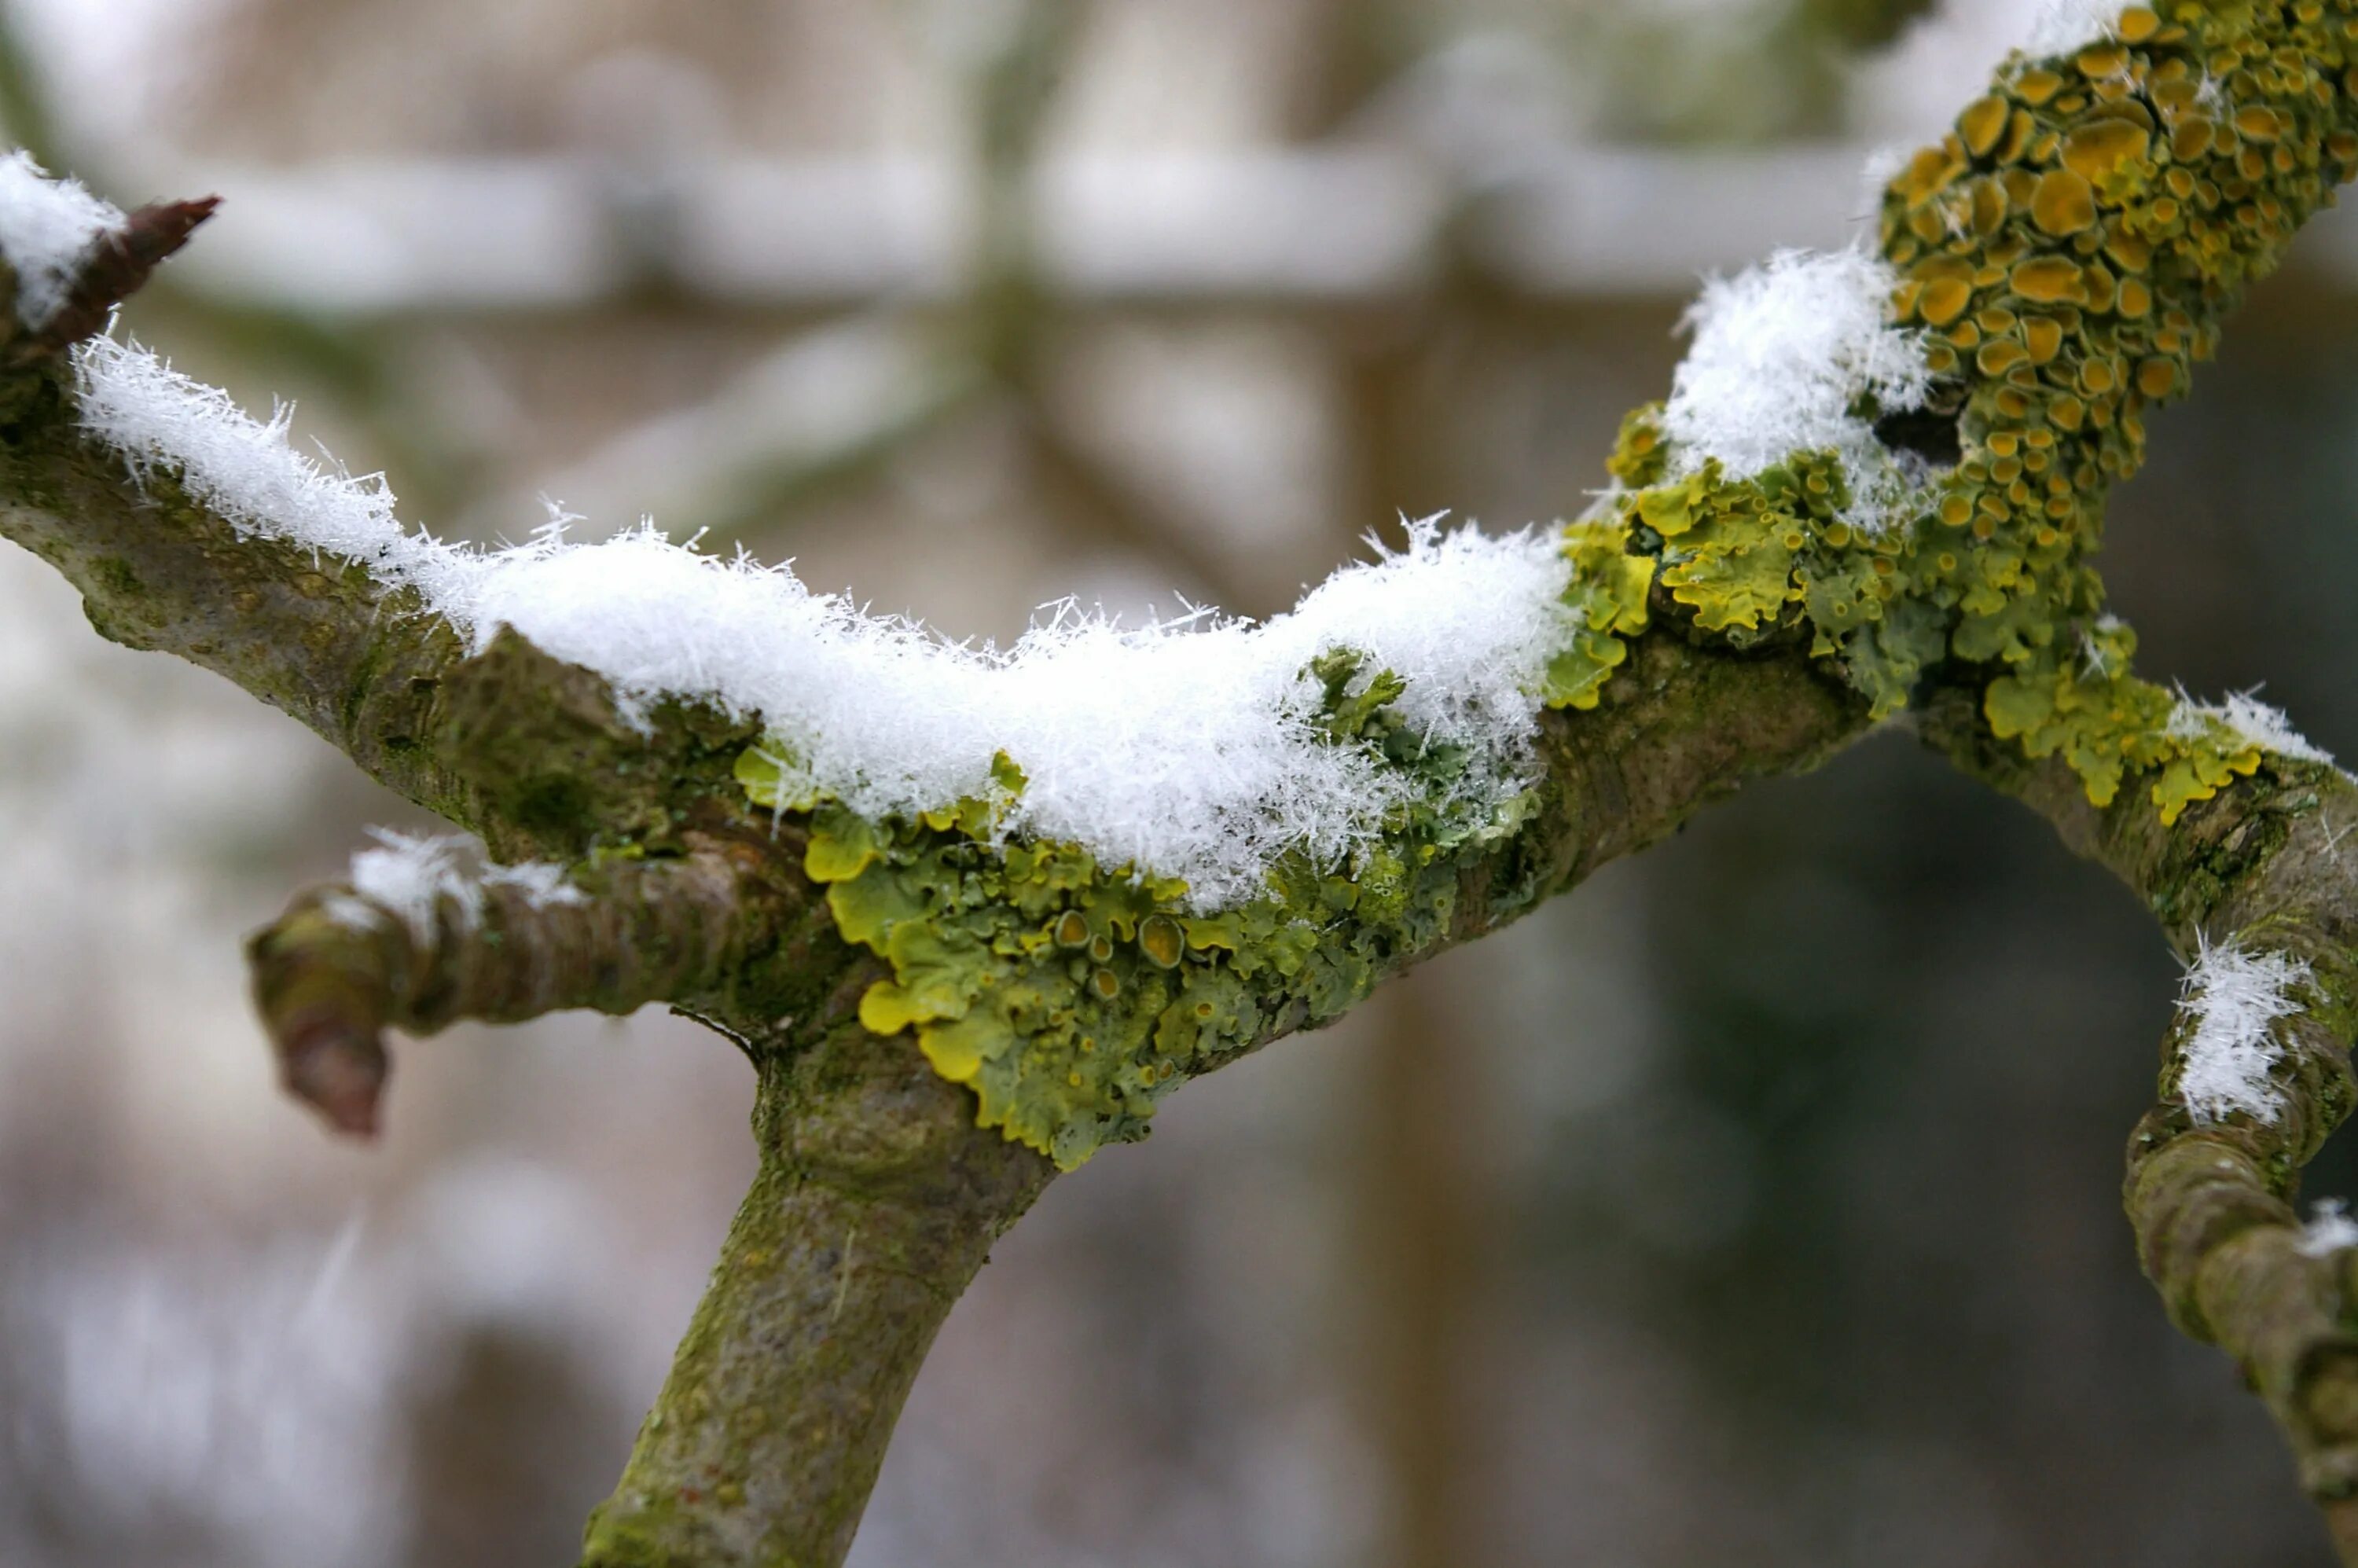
(2263, 866)
(317, 638)
(343, 965)
(878, 1195)
(877, 1200)
(2060, 295)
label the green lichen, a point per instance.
(2108, 724)
(771, 778)
(1071, 996)
(1610, 583)
(2068, 251)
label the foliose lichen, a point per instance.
(1073, 996)
(2066, 250)
(2070, 248)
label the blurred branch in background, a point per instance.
(1864, 23)
(1476, 216)
(357, 366)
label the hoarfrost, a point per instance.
(409, 875)
(2235, 998)
(2066, 26)
(1189, 748)
(47, 227)
(1785, 356)
(2257, 722)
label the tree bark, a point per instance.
(877, 1200)
(879, 1196)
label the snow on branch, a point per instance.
(156, 419)
(2246, 715)
(409, 876)
(48, 230)
(2235, 999)
(1799, 355)
(1191, 749)
(2329, 1230)
(2066, 26)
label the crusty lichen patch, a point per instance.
(1073, 996)
(2063, 255)
(2070, 248)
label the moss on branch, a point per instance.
(2070, 250)
(940, 1015)
(877, 1201)
(1073, 996)
(2258, 864)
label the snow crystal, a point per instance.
(2329, 1229)
(409, 875)
(542, 884)
(2095, 654)
(1884, 163)
(2066, 26)
(2235, 998)
(154, 418)
(1188, 748)
(1782, 355)
(2247, 716)
(47, 227)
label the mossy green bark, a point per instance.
(933, 1015)
(787, 1389)
(878, 1199)
(879, 1193)
(2259, 863)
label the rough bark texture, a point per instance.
(771, 1429)
(337, 970)
(878, 1195)
(878, 1199)
(2211, 1204)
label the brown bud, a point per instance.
(117, 266)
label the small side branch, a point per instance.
(2260, 872)
(340, 968)
(314, 636)
(2209, 1197)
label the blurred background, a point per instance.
(1757, 1205)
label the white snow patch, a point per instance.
(47, 227)
(2066, 26)
(408, 876)
(2235, 996)
(1782, 354)
(2329, 1229)
(1188, 748)
(156, 419)
(2257, 722)
(541, 883)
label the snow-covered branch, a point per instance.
(2257, 888)
(429, 932)
(973, 911)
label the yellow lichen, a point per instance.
(1608, 592)
(1070, 996)
(2067, 253)
(2071, 246)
